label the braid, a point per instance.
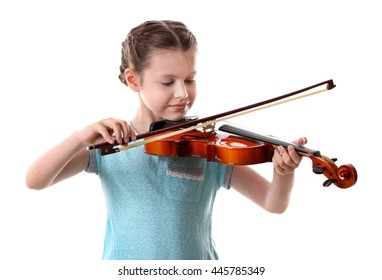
(124, 64)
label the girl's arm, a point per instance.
(272, 196)
(66, 159)
(70, 157)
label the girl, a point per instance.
(159, 207)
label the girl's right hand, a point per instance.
(109, 130)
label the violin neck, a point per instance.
(250, 135)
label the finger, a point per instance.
(126, 131)
(111, 130)
(284, 157)
(122, 131)
(300, 141)
(278, 159)
(282, 168)
(133, 135)
(283, 162)
(100, 128)
(296, 158)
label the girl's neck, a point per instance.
(141, 122)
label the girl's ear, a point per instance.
(132, 79)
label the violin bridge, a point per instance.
(209, 127)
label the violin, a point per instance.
(193, 137)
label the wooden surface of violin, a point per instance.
(219, 147)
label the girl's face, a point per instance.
(167, 87)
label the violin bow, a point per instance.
(151, 136)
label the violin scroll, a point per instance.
(343, 177)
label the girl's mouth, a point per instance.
(179, 107)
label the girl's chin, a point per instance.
(175, 117)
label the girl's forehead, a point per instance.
(174, 60)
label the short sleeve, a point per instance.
(92, 168)
(227, 176)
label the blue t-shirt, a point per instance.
(158, 208)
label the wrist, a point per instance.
(76, 140)
(282, 172)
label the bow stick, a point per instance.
(208, 122)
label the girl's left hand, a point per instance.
(286, 160)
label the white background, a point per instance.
(59, 66)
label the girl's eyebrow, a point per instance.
(174, 76)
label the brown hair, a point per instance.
(143, 39)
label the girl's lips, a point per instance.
(178, 107)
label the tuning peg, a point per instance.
(318, 170)
(327, 183)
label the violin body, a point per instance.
(218, 147)
(243, 147)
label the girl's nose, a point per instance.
(181, 92)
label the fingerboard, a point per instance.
(251, 135)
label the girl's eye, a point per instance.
(167, 83)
